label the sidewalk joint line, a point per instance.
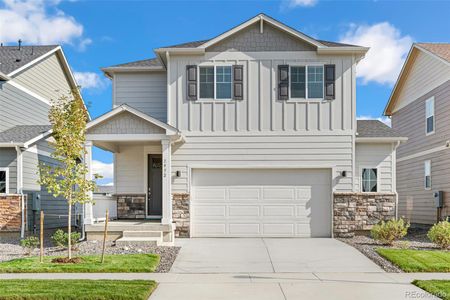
(284, 295)
(268, 253)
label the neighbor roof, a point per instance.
(440, 49)
(13, 58)
(23, 133)
(375, 129)
(152, 62)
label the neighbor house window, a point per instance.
(223, 82)
(427, 169)
(298, 82)
(369, 180)
(315, 81)
(4, 180)
(206, 82)
(429, 115)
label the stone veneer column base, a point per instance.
(353, 212)
(11, 212)
(131, 206)
(181, 214)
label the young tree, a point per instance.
(68, 117)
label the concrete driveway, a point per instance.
(269, 255)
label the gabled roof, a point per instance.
(440, 51)
(374, 129)
(24, 135)
(170, 130)
(13, 58)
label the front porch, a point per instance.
(142, 148)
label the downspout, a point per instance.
(394, 166)
(19, 183)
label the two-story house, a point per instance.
(420, 110)
(30, 77)
(250, 133)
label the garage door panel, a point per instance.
(261, 202)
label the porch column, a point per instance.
(166, 182)
(88, 211)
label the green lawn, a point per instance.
(418, 260)
(28, 289)
(439, 288)
(127, 263)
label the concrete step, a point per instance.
(142, 234)
(124, 241)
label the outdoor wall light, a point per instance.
(344, 173)
(178, 173)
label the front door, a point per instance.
(154, 185)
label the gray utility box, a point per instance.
(36, 203)
(438, 199)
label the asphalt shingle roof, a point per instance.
(375, 128)
(152, 62)
(11, 58)
(22, 133)
(440, 49)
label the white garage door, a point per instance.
(261, 202)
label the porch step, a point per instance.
(140, 237)
(141, 234)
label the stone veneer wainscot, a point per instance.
(353, 212)
(131, 206)
(181, 214)
(11, 212)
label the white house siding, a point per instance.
(427, 72)
(145, 91)
(378, 156)
(20, 108)
(46, 78)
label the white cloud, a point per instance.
(384, 119)
(39, 22)
(104, 169)
(107, 184)
(388, 50)
(296, 3)
(89, 80)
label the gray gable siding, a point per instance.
(251, 40)
(46, 78)
(19, 108)
(126, 123)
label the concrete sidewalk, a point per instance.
(273, 286)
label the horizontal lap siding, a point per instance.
(277, 151)
(8, 159)
(415, 202)
(146, 92)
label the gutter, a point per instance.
(19, 183)
(381, 139)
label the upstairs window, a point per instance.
(369, 180)
(429, 116)
(223, 82)
(298, 82)
(315, 82)
(306, 82)
(427, 177)
(4, 181)
(207, 82)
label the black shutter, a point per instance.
(283, 82)
(191, 82)
(330, 86)
(238, 82)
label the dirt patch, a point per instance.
(66, 260)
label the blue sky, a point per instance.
(96, 34)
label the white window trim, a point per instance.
(425, 175)
(6, 170)
(215, 82)
(426, 117)
(361, 178)
(295, 99)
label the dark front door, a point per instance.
(154, 192)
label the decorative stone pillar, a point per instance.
(88, 210)
(166, 182)
(181, 214)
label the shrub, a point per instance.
(388, 232)
(440, 234)
(61, 238)
(29, 244)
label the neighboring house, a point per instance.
(250, 133)
(30, 77)
(420, 109)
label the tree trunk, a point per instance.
(69, 231)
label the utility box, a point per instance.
(438, 199)
(36, 203)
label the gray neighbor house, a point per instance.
(420, 110)
(30, 77)
(252, 133)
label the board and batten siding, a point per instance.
(426, 73)
(378, 156)
(144, 91)
(46, 78)
(20, 108)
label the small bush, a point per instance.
(388, 232)
(29, 244)
(61, 239)
(440, 234)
